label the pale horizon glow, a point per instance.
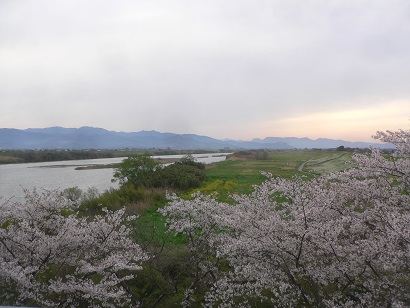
(236, 69)
(334, 125)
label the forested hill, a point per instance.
(98, 138)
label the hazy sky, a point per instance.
(223, 68)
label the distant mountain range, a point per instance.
(98, 138)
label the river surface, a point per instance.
(62, 174)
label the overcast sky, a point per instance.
(236, 69)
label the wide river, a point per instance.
(61, 175)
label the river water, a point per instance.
(61, 175)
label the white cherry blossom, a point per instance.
(50, 256)
(341, 239)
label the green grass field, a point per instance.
(240, 172)
(333, 162)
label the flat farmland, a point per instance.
(243, 169)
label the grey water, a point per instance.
(14, 178)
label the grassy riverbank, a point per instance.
(241, 171)
(236, 175)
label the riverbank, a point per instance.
(63, 174)
(38, 156)
(161, 161)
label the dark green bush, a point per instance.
(179, 176)
(137, 170)
(136, 200)
(143, 171)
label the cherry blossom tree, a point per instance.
(340, 239)
(50, 256)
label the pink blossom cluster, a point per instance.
(51, 256)
(341, 239)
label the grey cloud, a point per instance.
(198, 62)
